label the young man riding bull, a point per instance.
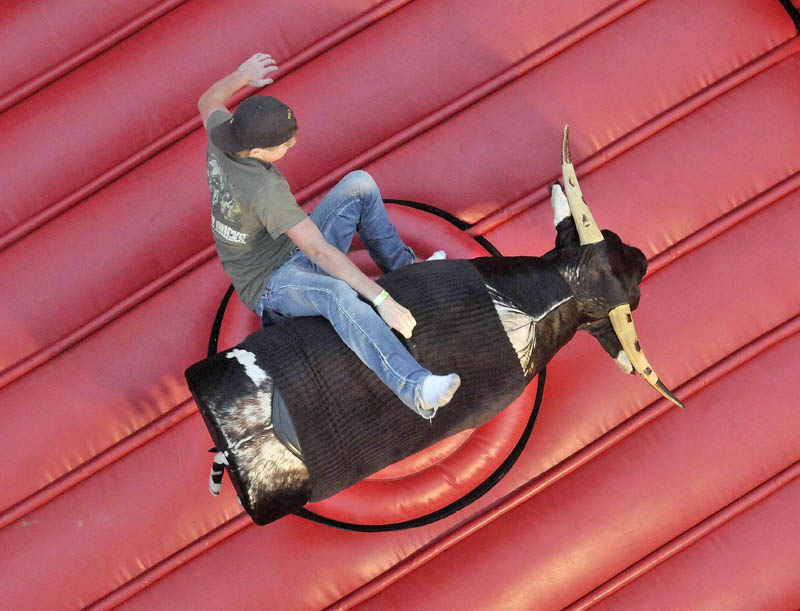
(284, 263)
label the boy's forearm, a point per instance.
(221, 91)
(340, 266)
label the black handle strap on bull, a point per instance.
(478, 491)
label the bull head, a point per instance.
(620, 316)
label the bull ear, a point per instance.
(622, 321)
(588, 232)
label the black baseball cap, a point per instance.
(259, 122)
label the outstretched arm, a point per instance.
(252, 72)
(310, 240)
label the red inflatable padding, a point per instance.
(146, 465)
(161, 199)
(515, 151)
(692, 172)
(749, 562)
(578, 417)
(117, 105)
(123, 509)
(168, 184)
(151, 213)
(694, 311)
(574, 415)
(78, 23)
(435, 72)
(113, 390)
(776, 265)
(128, 235)
(442, 474)
(639, 495)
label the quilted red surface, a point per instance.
(684, 130)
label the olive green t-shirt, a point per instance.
(252, 208)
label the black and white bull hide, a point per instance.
(285, 447)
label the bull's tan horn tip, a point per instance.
(669, 394)
(566, 157)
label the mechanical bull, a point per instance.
(297, 417)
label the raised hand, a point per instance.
(257, 68)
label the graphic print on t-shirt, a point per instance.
(225, 210)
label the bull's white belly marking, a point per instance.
(520, 327)
(248, 361)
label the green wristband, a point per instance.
(380, 298)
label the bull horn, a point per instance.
(622, 321)
(588, 232)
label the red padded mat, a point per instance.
(685, 137)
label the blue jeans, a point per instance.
(301, 288)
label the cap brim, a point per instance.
(222, 137)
